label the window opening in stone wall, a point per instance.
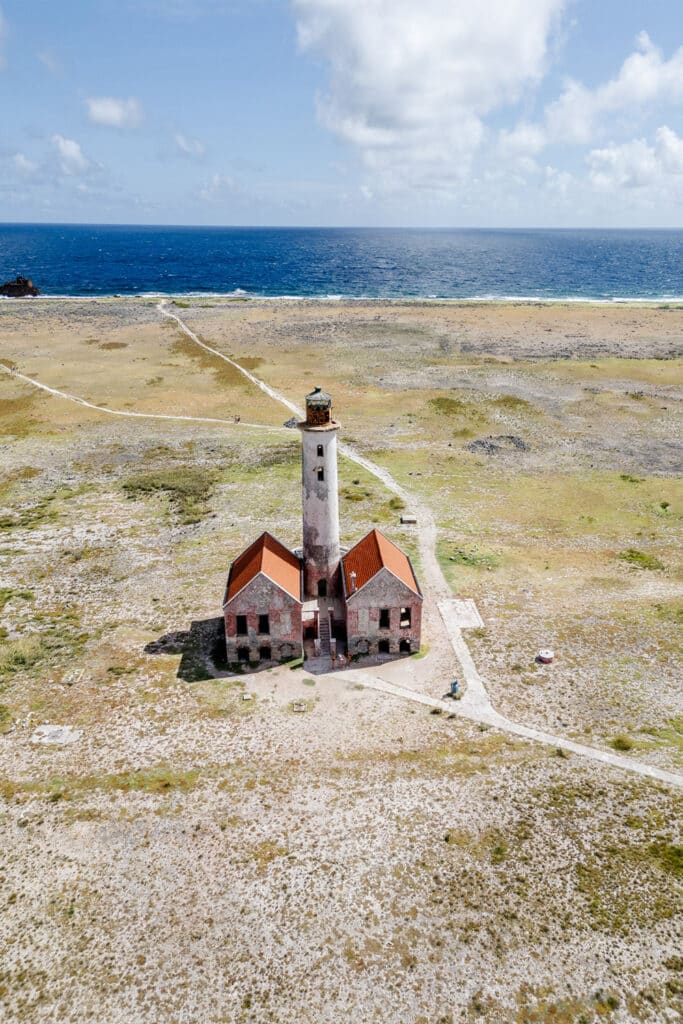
(383, 647)
(263, 624)
(265, 653)
(242, 625)
(321, 473)
(322, 588)
(405, 617)
(384, 618)
(243, 654)
(320, 451)
(404, 647)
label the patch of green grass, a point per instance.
(622, 742)
(308, 682)
(396, 504)
(639, 559)
(182, 305)
(20, 654)
(513, 403)
(671, 733)
(445, 406)
(670, 857)
(474, 558)
(5, 718)
(159, 780)
(187, 487)
(670, 612)
(8, 594)
(355, 493)
(629, 479)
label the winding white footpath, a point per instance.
(126, 412)
(475, 703)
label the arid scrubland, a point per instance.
(197, 857)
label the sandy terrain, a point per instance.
(195, 857)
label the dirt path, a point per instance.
(121, 412)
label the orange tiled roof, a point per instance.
(270, 557)
(373, 553)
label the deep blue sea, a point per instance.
(318, 262)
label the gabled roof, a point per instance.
(268, 556)
(370, 555)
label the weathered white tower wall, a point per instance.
(320, 496)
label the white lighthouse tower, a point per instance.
(320, 497)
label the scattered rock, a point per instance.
(20, 288)
(55, 735)
(500, 443)
(291, 423)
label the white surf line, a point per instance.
(127, 412)
(476, 704)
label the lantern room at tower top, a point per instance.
(365, 601)
(319, 410)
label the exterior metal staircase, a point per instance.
(324, 633)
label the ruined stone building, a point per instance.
(281, 604)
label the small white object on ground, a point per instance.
(546, 655)
(408, 519)
(55, 735)
(247, 696)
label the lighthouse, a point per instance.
(320, 497)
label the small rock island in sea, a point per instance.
(20, 288)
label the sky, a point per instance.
(435, 113)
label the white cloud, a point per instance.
(637, 164)
(24, 166)
(644, 78)
(410, 83)
(70, 155)
(49, 61)
(189, 147)
(217, 186)
(114, 113)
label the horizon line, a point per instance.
(327, 227)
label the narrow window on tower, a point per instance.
(263, 624)
(321, 473)
(320, 451)
(242, 625)
(405, 617)
(384, 618)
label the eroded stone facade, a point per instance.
(383, 617)
(283, 638)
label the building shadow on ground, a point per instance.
(201, 649)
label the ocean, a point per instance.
(346, 263)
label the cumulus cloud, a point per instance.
(23, 165)
(114, 113)
(70, 156)
(411, 83)
(638, 164)
(189, 147)
(644, 78)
